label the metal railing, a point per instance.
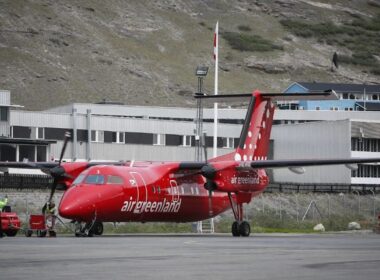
(24, 181)
(322, 188)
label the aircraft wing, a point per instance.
(308, 162)
(284, 163)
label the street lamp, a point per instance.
(200, 72)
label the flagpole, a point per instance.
(216, 57)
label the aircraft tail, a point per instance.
(255, 134)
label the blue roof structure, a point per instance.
(353, 97)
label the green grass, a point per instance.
(244, 28)
(149, 228)
(252, 43)
(361, 36)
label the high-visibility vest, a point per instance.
(50, 210)
(3, 202)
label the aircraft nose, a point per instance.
(77, 211)
(76, 208)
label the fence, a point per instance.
(24, 181)
(322, 188)
(296, 208)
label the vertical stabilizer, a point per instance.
(255, 134)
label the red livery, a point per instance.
(177, 191)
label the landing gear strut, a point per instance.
(239, 227)
(88, 229)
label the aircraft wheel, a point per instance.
(235, 229)
(244, 229)
(41, 233)
(12, 232)
(97, 228)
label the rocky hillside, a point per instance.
(145, 52)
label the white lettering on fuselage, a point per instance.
(245, 180)
(151, 207)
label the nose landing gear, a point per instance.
(239, 227)
(88, 229)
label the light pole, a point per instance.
(200, 72)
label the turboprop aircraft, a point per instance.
(178, 191)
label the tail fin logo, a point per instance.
(254, 143)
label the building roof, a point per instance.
(351, 88)
(4, 140)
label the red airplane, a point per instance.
(177, 191)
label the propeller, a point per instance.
(209, 173)
(58, 172)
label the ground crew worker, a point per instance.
(3, 202)
(49, 210)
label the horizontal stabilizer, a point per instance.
(326, 95)
(309, 162)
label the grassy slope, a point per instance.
(141, 52)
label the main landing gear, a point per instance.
(239, 227)
(88, 229)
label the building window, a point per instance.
(352, 96)
(97, 136)
(159, 139)
(186, 141)
(21, 132)
(228, 142)
(345, 95)
(118, 137)
(365, 144)
(40, 133)
(375, 97)
(26, 153)
(41, 153)
(366, 171)
(3, 114)
(138, 138)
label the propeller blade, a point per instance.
(67, 137)
(52, 190)
(210, 203)
(59, 172)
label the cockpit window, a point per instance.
(112, 179)
(95, 179)
(79, 179)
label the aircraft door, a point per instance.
(174, 190)
(138, 182)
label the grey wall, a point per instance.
(319, 140)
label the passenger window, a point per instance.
(114, 180)
(95, 179)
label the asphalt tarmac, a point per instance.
(261, 256)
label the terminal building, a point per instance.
(112, 131)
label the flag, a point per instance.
(216, 41)
(216, 58)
